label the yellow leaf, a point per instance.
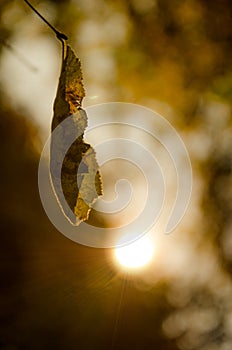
(74, 169)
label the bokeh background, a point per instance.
(175, 58)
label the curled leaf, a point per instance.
(74, 169)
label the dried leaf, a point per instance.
(74, 170)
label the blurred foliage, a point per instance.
(172, 56)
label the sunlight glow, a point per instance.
(136, 254)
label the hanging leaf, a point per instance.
(74, 169)
(73, 166)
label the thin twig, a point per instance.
(60, 36)
(19, 56)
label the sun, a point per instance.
(135, 255)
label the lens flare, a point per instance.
(135, 255)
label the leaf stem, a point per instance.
(59, 35)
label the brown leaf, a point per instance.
(74, 169)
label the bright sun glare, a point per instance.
(136, 254)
